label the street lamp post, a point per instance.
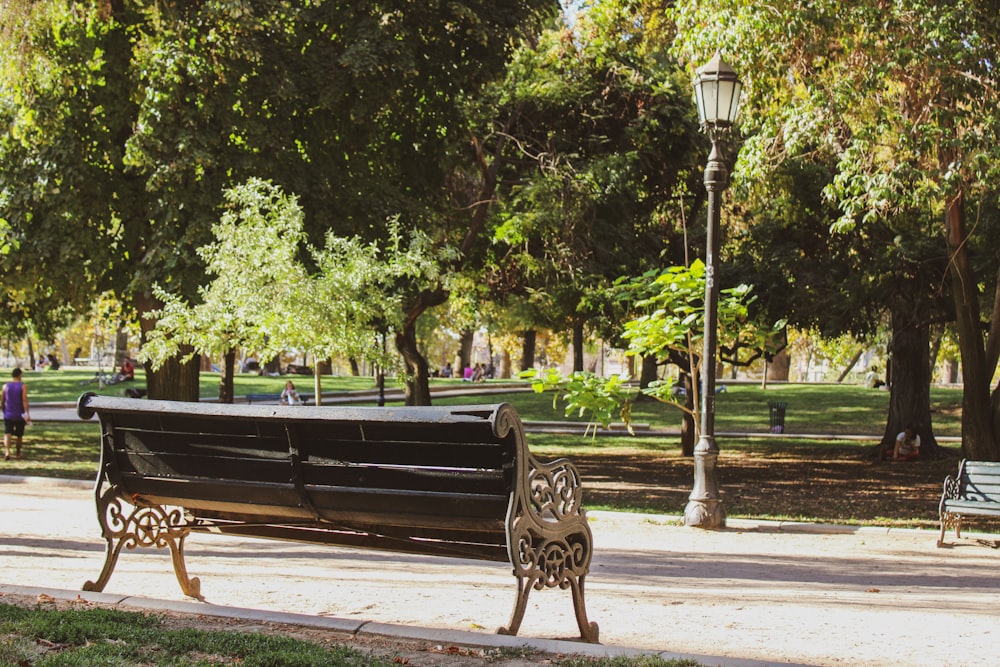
(717, 91)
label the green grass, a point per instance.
(66, 384)
(48, 638)
(837, 409)
(66, 450)
(818, 409)
(41, 636)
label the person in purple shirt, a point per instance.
(16, 413)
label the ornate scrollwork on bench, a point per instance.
(142, 525)
(550, 540)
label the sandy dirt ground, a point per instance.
(780, 594)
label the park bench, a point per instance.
(273, 398)
(456, 482)
(975, 491)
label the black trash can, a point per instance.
(777, 416)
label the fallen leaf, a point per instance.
(872, 590)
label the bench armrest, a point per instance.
(555, 489)
(950, 491)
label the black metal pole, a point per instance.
(380, 379)
(704, 508)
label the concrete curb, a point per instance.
(361, 628)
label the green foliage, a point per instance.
(263, 298)
(601, 400)
(672, 326)
(123, 124)
(592, 135)
(902, 99)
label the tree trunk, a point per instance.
(226, 392)
(418, 388)
(778, 369)
(465, 348)
(355, 370)
(528, 349)
(175, 380)
(850, 366)
(649, 372)
(978, 441)
(688, 425)
(504, 370)
(121, 346)
(910, 384)
(578, 347)
(31, 355)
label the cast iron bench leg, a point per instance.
(142, 526)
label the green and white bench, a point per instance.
(974, 492)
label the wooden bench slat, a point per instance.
(428, 452)
(458, 545)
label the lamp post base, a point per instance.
(705, 508)
(708, 514)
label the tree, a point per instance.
(593, 135)
(887, 277)
(254, 269)
(670, 329)
(124, 122)
(922, 140)
(263, 298)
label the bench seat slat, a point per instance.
(973, 507)
(200, 467)
(282, 498)
(429, 452)
(467, 482)
(331, 503)
(457, 545)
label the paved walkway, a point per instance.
(753, 594)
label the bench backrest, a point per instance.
(980, 480)
(414, 478)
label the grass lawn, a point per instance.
(837, 409)
(50, 633)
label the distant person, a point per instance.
(16, 413)
(907, 447)
(54, 362)
(127, 371)
(289, 396)
(872, 379)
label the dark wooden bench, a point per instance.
(974, 491)
(452, 481)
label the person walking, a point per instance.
(16, 413)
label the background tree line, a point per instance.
(541, 158)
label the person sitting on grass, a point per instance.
(907, 446)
